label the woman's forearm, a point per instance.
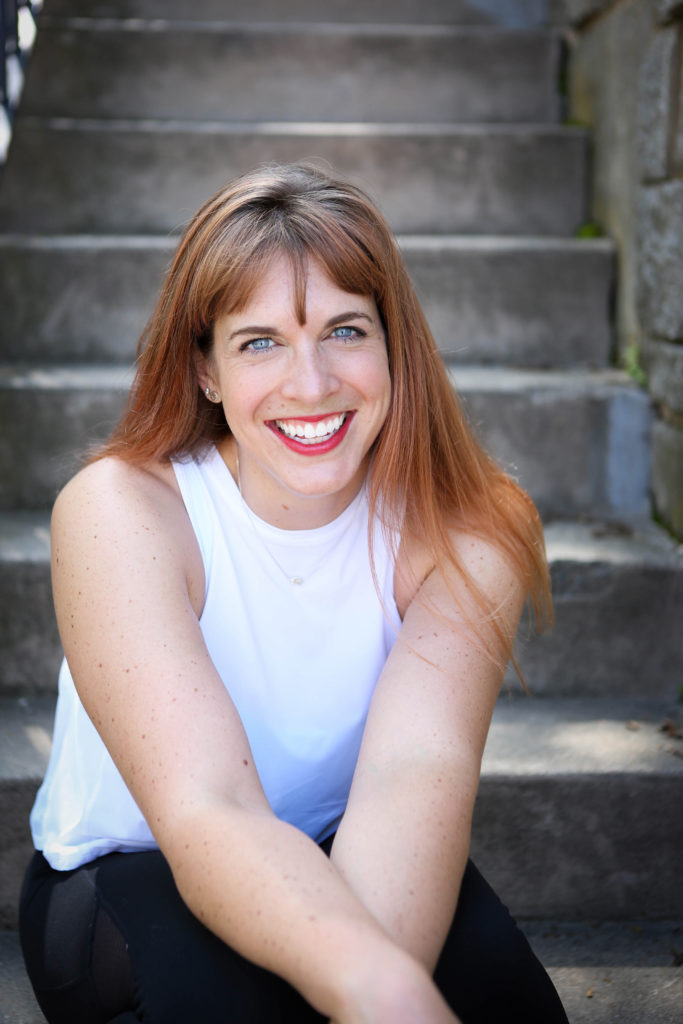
(272, 894)
(402, 848)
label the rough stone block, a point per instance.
(577, 11)
(660, 259)
(668, 9)
(665, 367)
(603, 88)
(667, 474)
(655, 103)
(678, 141)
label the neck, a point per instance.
(285, 509)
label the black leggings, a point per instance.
(112, 942)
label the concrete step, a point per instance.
(578, 809)
(515, 301)
(64, 411)
(48, 415)
(577, 441)
(141, 176)
(17, 1002)
(90, 68)
(511, 14)
(618, 593)
(25, 741)
(605, 972)
(575, 796)
(28, 631)
(618, 599)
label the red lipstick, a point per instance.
(320, 447)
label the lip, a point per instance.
(312, 449)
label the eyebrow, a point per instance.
(352, 314)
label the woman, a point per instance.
(287, 589)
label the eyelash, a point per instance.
(247, 345)
(355, 332)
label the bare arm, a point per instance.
(404, 840)
(127, 593)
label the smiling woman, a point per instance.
(318, 388)
(287, 589)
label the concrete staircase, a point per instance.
(448, 112)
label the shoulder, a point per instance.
(479, 564)
(111, 488)
(112, 511)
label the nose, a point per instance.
(310, 376)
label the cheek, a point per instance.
(378, 377)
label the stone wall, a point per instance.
(626, 83)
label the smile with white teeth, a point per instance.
(311, 433)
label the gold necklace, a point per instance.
(296, 580)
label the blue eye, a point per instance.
(346, 332)
(258, 345)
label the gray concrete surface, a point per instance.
(511, 14)
(408, 73)
(129, 176)
(605, 972)
(618, 591)
(576, 817)
(515, 301)
(626, 972)
(524, 417)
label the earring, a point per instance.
(213, 396)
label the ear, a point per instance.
(205, 377)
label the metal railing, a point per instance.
(17, 33)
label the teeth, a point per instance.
(311, 431)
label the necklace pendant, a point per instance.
(296, 580)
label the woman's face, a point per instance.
(304, 402)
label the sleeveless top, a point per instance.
(300, 663)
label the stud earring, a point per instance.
(213, 396)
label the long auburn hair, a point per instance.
(428, 474)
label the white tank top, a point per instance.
(299, 661)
